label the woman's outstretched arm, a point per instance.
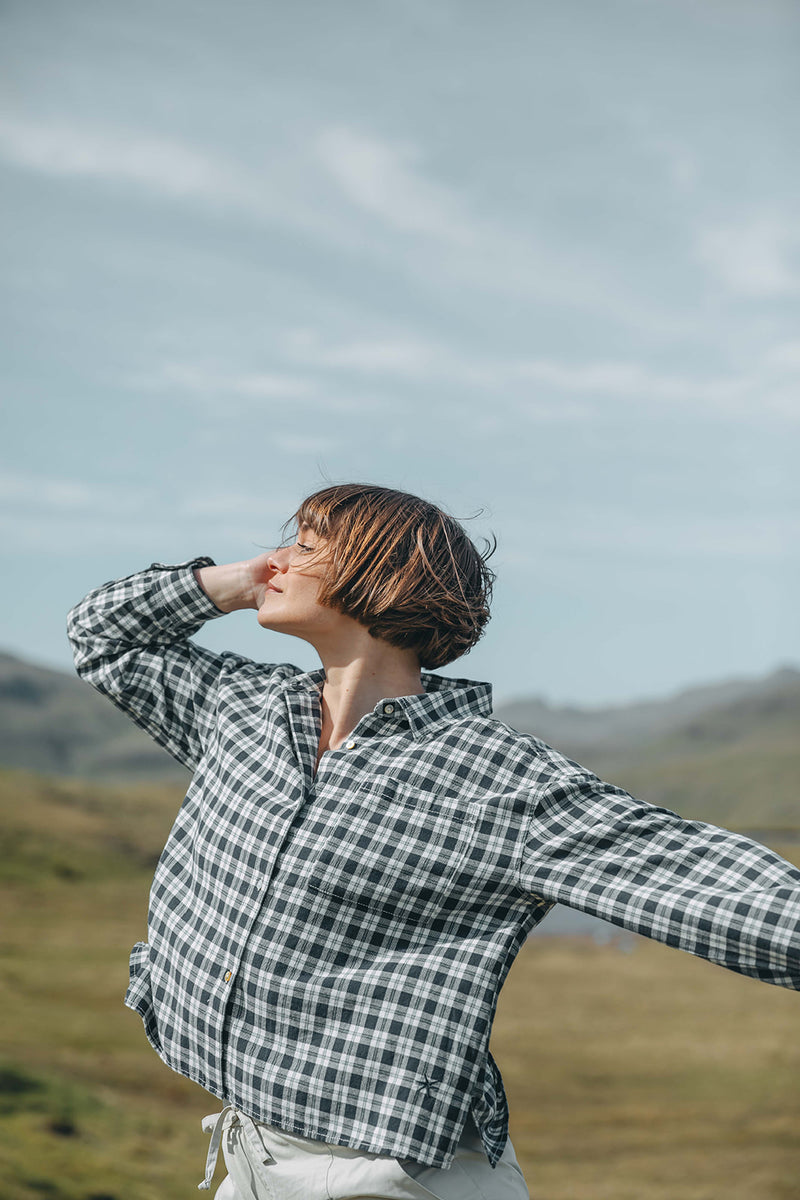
(716, 894)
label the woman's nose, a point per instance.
(278, 560)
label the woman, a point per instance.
(363, 850)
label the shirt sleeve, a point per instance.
(130, 641)
(716, 894)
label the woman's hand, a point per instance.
(237, 585)
(258, 573)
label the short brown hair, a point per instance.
(401, 567)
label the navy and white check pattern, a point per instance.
(326, 952)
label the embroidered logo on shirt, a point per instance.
(428, 1086)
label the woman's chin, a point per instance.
(273, 623)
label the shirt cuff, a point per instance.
(179, 595)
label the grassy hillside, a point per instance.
(584, 731)
(733, 771)
(736, 765)
(86, 832)
(632, 1076)
(53, 722)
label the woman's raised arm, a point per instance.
(130, 640)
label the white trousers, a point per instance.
(264, 1163)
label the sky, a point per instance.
(539, 263)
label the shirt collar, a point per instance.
(444, 700)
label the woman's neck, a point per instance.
(354, 685)
(360, 670)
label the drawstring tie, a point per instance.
(215, 1124)
(218, 1123)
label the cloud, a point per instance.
(582, 529)
(674, 157)
(421, 228)
(44, 493)
(209, 383)
(305, 444)
(219, 391)
(374, 176)
(630, 381)
(57, 514)
(401, 355)
(169, 169)
(383, 180)
(222, 504)
(786, 355)
(459, 248)
(62, 515)
(550, 389)
(753, 258)
(737, 536)
(403, 358)
(771, 389)
(157, 164)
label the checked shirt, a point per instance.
(325, 952)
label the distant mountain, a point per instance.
(608, 731)
(56, 724)
(728, 754)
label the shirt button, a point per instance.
(388, 709)
(227, 976)
(350, 746)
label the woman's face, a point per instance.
(291, 603)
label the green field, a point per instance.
(643, 1075)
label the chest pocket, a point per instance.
(395, 848)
